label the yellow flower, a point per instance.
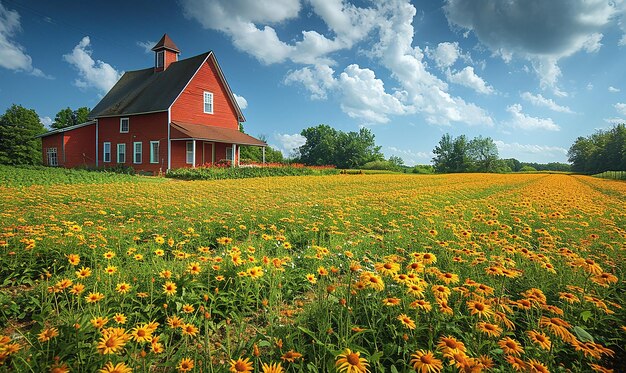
(122, 288)
(272, 368)
(47, 334)
(185, 365)
(169, 288)
(94, 297)
(118, 368)
(241, 365)
(110, 270)
(141, 333)
(83, 272)
(351, 362)
(99, 322)
(406, 321)
(74, 259)
(425, 362)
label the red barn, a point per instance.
(175, 114)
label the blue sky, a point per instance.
(531, 74)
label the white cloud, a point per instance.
(614, 90)
(589, 86)
(540, 31)
(620, 107)
(241, 101)
(97, 74)
(318, 80)
(46, 121)
(410, 157)
(146, 45)
(539, 100)
(12, 55)
(615, 120)
(445, 55)
(540, 153)
(287, 144)
(526, 122)
(468, 78)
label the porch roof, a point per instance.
(183, 131)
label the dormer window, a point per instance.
(160, 59)
(208, 103)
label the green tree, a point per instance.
(18, 144)
(460, 155)
(483, 154)
(68, 117)
(320, 147)
(396, 161)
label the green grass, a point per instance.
(16, 176)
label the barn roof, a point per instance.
(147, 91)
(166, 43)
(188, 131)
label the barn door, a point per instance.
(207, 153)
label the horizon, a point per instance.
(532, 78)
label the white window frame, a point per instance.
(121, 150)
(229, 150)
(53, 157)
(135, 152)
(122, 120)
(106, 152)
(208, 99)
(189, 152)
(154, 156)
(160, 54)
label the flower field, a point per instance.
(347, 273)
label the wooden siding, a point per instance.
(142, 128)
(189, 107)
(80, 146)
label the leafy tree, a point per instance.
(483, 154)
(602, 151)
(18, 128)
(68, 117)
(396, 161)
(460, 155)
(320, 147)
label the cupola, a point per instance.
(165, 53)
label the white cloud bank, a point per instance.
(241, 101)
(539, 100)
(530, 152)
(526, 122)
(620, 107)
(92, 73)
(12, 55)
(287, 144)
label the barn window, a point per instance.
(52, 157)
(229, 154)
(189, 158)
(208, 102)
(154, 152)
(160, 59)
(124, 125)
(121, 153)
(137, 152)
(106, 152)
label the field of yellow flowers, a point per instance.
(346, 273)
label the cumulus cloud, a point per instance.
(146, 45)
(532, 151)
(287, 143)
(445, 54)
(12, 55)
(92, 73)
(615, 120)
(614, 90)
(620, 107)
(539, 100)
(526, 122)
(241, 101)
(540, 31)
(46, 121)
(318, 80)
(468, 78)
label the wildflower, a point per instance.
(165, 274)
(255, 272)
(291, 356)
(110, 270)
(425, 362)
(83, 272)
(406, 321)
(120, 318)
(185, 365)
(489, 329)
(311, 278)
(112, 340)
(188, 308)
(94, 297)
(510, 346)
(421, 304)
(479, 308)
(536, 367)
(169, 288)
(351, 362)
(449, 278)
(99, 322)
(272, 368)
(558, 327)
(516, 363)
(387, 268)
(47, 334)
(118, 368)
(240, 365)
(122, 288)
(141, 334)
(391, 301)
(540, 339)
(194, 268)
(73, 259)
(77, 289)
(159, 240)
(109, 255)
(449, 345)
(190, 329)
(175, 322)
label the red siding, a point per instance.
(179, 153)
(142, 128)
(52, 141)
(80, 147)
(189, 107)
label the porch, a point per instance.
(194, 145)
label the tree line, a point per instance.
(602, 151)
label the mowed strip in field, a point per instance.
(451, 271)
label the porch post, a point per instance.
(263, 155)
(238, 155)
(232, 161)
(193, 158)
